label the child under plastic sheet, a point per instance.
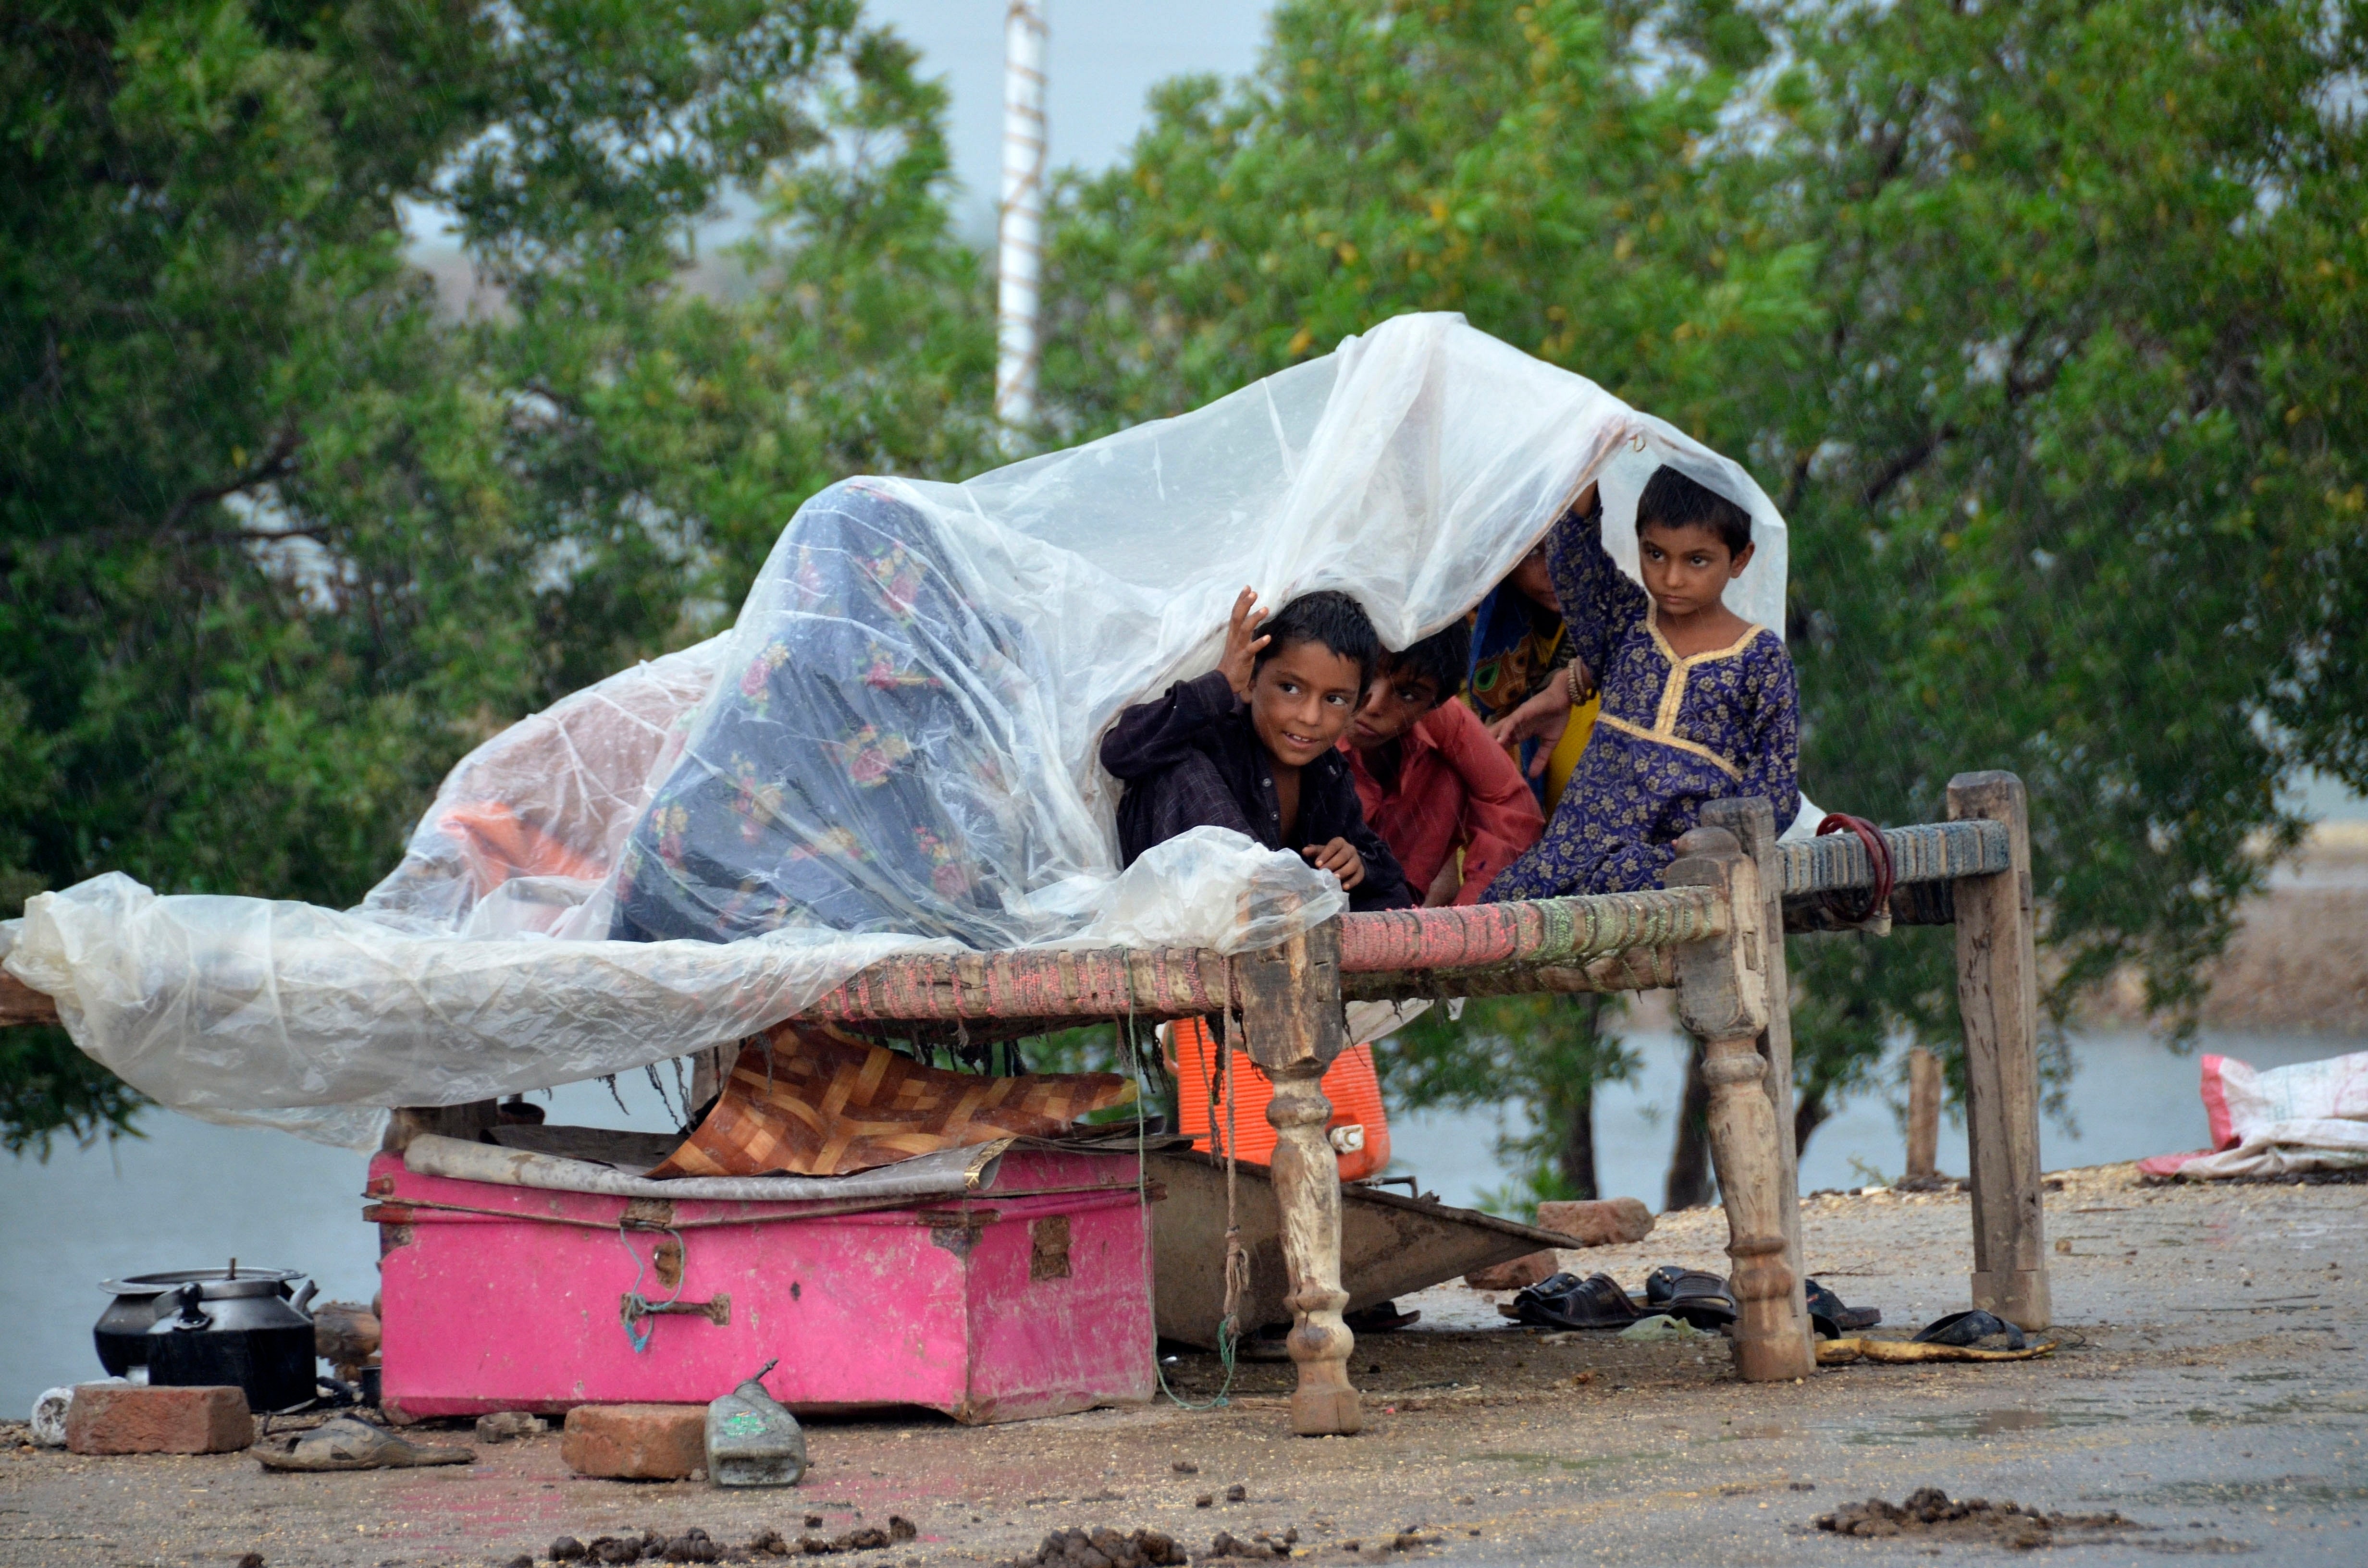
(850, 773)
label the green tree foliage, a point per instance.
(280, 539)
(2039, 320)
(1495, 160)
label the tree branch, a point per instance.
(270, 466)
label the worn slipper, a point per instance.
(350, 1443)
(1567, 1302)
(1701, 1299)
(1969, 1329)
(1382, 1317)
(1832, 1319)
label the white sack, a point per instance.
(2311, 1116)
(1412, 469)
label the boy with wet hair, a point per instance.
(1251, 745)
(1447, 800)
(1698, 704)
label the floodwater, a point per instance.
(192, 1195)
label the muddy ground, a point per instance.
(2211, 1387)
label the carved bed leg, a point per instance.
(1753, 822)
(1722, 999)
(1997, 995)
(1291, 1013)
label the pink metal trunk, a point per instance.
(1030, 1297)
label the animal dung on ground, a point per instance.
(1103, 1547)
(1185, 1467)
(1931, 1513)
(1236, 1493)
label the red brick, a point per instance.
(635, 1442)
(1512, 1276)
(1598, 1223)
(131, 1418)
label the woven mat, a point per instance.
(812, 1100)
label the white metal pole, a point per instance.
(1020, 220)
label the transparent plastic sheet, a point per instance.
(891, 750)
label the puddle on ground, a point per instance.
(2280, 1490)
(2309, 1401)
(1975, 1424)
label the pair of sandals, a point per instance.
(1567, 1302)
(1693, 1296)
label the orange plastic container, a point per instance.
(1360, 1127)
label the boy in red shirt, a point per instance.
(1430, 779)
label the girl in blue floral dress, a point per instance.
(1698, 704)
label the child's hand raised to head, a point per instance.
(1340, 859)
(1243, 642)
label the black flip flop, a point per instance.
(1832, 1319)
(1969, 1329)
(1566, 1301)
(1698, 1297)
(1382, 1317)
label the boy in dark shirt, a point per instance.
(1250, 747)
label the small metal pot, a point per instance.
(121, 1332)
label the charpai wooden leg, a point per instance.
(1307, 1188)
(1769, 1343)
(1753, 822)
(1997, 997)
(1291, 1013)
(1722, 999)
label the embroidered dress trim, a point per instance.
(1673, 695)
(1662, 737)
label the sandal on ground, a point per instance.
(1699, 1298)
(1969, 1329)
(1567, 1302)
(1834, 1320)
(1381, 1317)
(351, 1443)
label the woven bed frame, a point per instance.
(1714, 933)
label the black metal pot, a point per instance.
(121, 1332)
(238, 1331)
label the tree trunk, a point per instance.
(1576, 1158)
(1690, 1185)
(1809, 1116)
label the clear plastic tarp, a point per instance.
(892, 749)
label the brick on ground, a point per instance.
(130, 1418)
(635, 1442)
(1598, 1221)
(1524, 1270)
(1595, 1222)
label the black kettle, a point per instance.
(121, 1332)
(237, 1332)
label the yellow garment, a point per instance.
(1565, 759)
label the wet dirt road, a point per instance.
(2212, 1386)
